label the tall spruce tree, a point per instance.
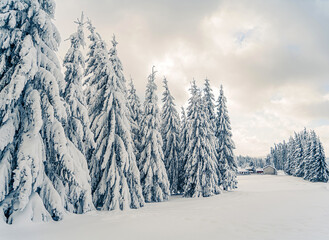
(170, 136)
(154, 178)
(43, 173)
(91, 64)
(316, 169)
(225, 146)
(309, 153)
(136, 117)
(77, 127)
(301, 154)
(117, 65)
(183, 137)
(209, 99)
(289, 164)
(114, 172)
(201, 171)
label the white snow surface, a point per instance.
(263, 207)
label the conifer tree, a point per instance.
(300, 154)
(44, 174)
(225, 147)
(77, 127)
(209, 99)
(114, 172)
(154, 178)
(183, 137)
(136, 116)
(316, 169)
(91, 64)
(170, 136)
(290, 162)
(309, 153)
(117, 65)
(201, 171)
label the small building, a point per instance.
(251, 169)
(243, 172)
(269, 170)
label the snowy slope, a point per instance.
(264, 207)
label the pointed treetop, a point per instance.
(131, 83)
(165, 82)
(194, 87)
(80, 21)
(165, 85)
(153, 72)
(90, 26)
(114, 42)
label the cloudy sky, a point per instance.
(272, 57)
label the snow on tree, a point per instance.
(183, 137)
(301, 154)
(170, 136)
(316, 169)
(43, 172)
(225, 145)
(154, 178)
(118, 68)
(91, 64)
(209, 99)
(116, 63)
(290, 162)
(201, 170)
(309, 153)
(269, 160)
(77, 127)
(136, 116)
(319, 165)
(113, 168)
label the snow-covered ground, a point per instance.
(264, 207)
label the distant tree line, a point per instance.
(302, 156)
(246, 161)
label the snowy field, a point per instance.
(264, 207)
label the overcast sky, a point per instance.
(272, 57)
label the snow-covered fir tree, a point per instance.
(290, 162)
(301, 154)
(316, 169)
(268, 160)
(183, 137)
(225, 146)
(154, 178)
(113, 168)
(209, 99)
(297, 154)
(201, 170)
(91, 64)
(77, 127)
(42, 172)
(116, 63)
(309, 153)
(170, 136)
(136, 114)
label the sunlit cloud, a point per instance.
(271, 56)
